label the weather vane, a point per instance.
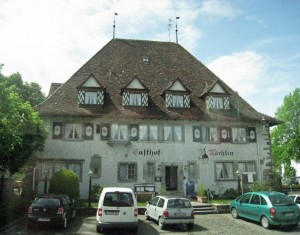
(176, 28)
(114, 26)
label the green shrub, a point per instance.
(65, 182)
(230, 194)
(95, 192)
(201, 190)
(261, 186)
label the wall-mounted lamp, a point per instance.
(158, 167)
(185, 167)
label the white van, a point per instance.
(117, 208)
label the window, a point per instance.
(224, 170)
(73, 131)
(255, 199)
(246, 166)
(177, 101)
(135, 99)
(127, 172)
(218, 102)
(90, 97)
(154, 132)
(210, 134)
(119, 132)
(173, 133)
(150, 170)
(239, 135)
(143, 129)
(51, 167)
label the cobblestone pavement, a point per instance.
(222, 224)
(219, 224)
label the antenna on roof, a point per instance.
(114, 26)
(170, 24)
(177, 17)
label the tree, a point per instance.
(21, 130)
(286, 137)
(30, 92)
(65, 182)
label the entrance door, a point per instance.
(171, 177)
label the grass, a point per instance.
(220, 201)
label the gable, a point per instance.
(135, 84)
(90, 82)
(177, 86)
(217, 89)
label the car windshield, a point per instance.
(114, 199)
(179, 203)
(280, 200)
(51, 202)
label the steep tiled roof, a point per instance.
(120, 60)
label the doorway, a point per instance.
(171, 177)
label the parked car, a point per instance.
(295, 198)
(51, 209)
(117, 208)
(170, 210)
(268, 208)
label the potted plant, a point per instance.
(201, 194)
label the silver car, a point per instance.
(170, 210)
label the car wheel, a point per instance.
(234, 213)
(147, 216)
(190, 226)
(99, 229)
(265, 222)
(161, 223)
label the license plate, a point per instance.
(43, 219)
(179, 214)
(112, 212)
(288, 214)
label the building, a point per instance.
(150, 112)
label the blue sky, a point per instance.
(252, 45)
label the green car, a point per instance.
(268, 208)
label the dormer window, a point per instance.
(90, 92)
(135, 99)
(90, 97)
(135, 93)
(177, 95)
(216, 97)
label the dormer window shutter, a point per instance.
(169, 100)
(226, 102)
(125, 98)
(81, 96)
(186, 101)
(100, 97)
(144, 99)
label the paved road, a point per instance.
(204, 224)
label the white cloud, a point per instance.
(241, 71)
(47, 41)
(218, 8)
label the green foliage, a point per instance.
(286, 137)
(95, 192)
(261, 186)
(230, 193)
(21, 130)
(65, 182)
(201, 190)
(162, 191)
